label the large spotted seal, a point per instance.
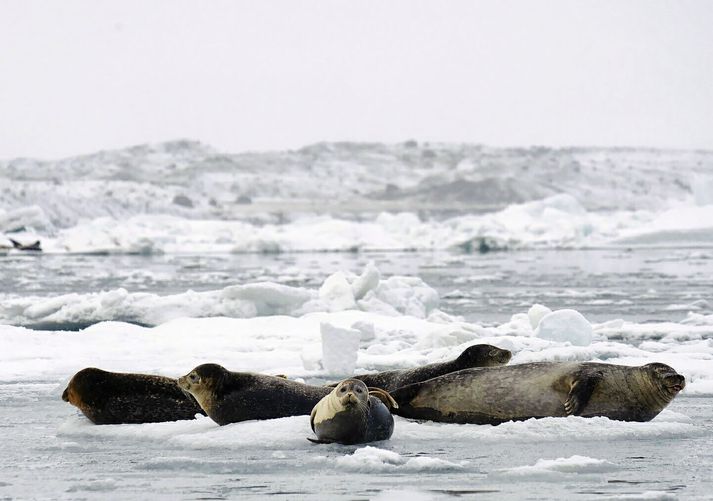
(479, 355)
(230, 397)
(116, 398)
(353, 414)
(542, 389)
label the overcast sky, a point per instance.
(78, 76)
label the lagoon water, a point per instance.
(50, 451)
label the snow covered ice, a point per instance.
(196, 277)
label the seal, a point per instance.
(119, 398)
(479, 355)
(542, 389)
(230, 397)
(34, 246)
(352, 413)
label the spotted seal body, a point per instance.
(542, 389)
(230, 397)
(117, 398)
(353, 414)
(479, 355)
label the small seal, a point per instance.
(119, 398)
(542, 389)
(230, 397)
(479, 355)
(353, 414)
(33, 247)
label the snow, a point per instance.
(281, 329)
(535, 314)
(374, 460)
(393, 296)
(186, 197)
(363, 322)
(555, 222)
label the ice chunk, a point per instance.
(368, 280)
(25, 218)
(535, 314)
(337, 293)
(555, 469)
(703, 190)
(565, 326)
(373, 459)
(339, 349)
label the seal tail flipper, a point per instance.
(318, 441)
(580, 392)
(385, 397)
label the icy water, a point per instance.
(641, 285)
(50, 452)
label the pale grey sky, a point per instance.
(78, 76)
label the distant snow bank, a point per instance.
(559, 221)
(184, 196)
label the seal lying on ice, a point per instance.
(352, 413)
(116, 398)
(542, 389)
(230, 397)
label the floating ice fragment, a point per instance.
(535, 314)
(368, 280)
(337, 293)
(555, 469)
(565, 326)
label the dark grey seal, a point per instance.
(120, 398)
(231, 397)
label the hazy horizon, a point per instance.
(81, 76)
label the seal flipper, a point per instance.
(385, 397)
(311, 418)
(583, 385)
(318, 441)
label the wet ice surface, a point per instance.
(51, 451)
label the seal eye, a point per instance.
(358, 390)
(194, 378)
(342, 389)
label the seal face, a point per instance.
(479, 355)
(542, 389)
(230, 397)
(118, 398)
(353, 414)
